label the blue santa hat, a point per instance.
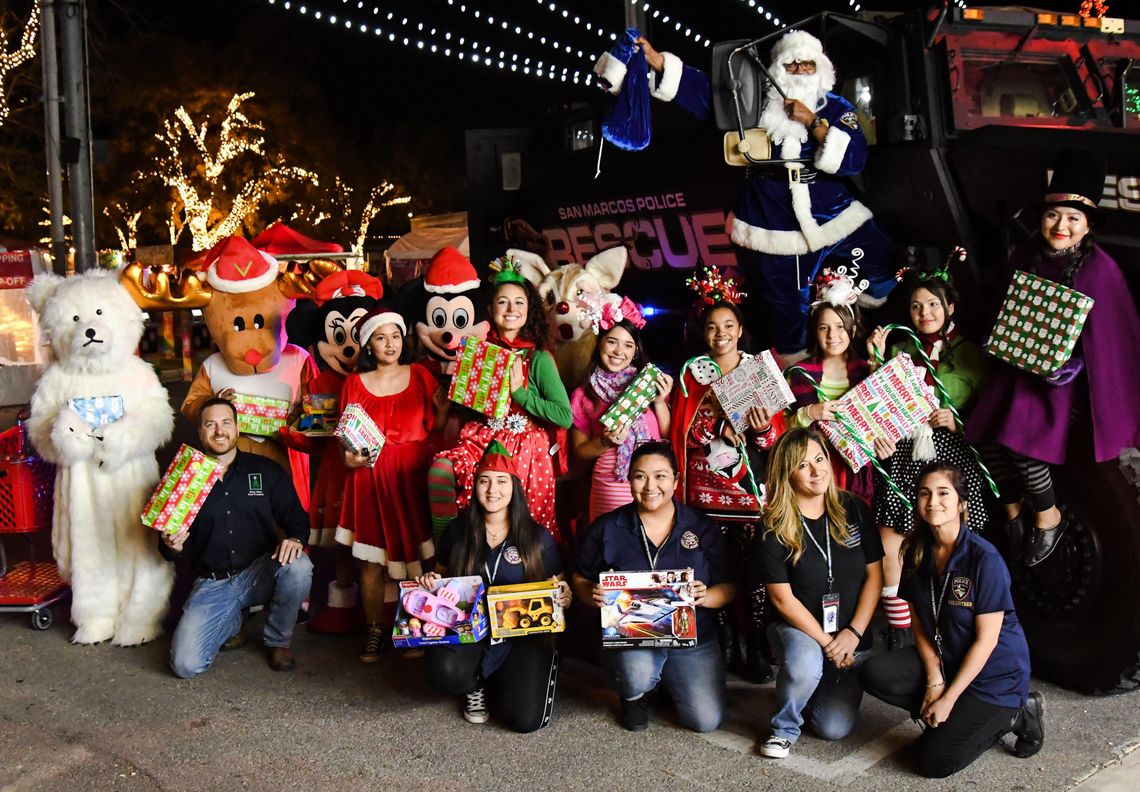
(623, 72)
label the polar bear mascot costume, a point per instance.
(99, 412)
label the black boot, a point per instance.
(729, 646)
(1043, 543)
(1029, 726)
(757, 669)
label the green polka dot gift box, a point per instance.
(1039, 324)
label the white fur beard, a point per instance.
(806, 88)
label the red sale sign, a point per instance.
(15, 269)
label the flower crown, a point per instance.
(713, 288)
(942, 273)
(506, 270)
(606, 309)
(837, 287)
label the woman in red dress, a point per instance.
(384, 518)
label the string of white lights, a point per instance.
(680, 27)
(498, 23)
(767, 13)
(569, 16)
(419, 36)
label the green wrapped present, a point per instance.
(182, 491)
(260, 415)
(634, 400)
(1039, 324)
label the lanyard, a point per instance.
(936, 608)
(491, 573)
(652, 557)
(827, 554)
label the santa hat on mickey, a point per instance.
(235, 266)
(450, 272)
(347, 283)
(496, 459)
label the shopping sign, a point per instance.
(15, 269)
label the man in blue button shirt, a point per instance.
(234, 549)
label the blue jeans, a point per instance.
(213, 611)
(694, 678)
(808, 681)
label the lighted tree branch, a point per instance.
(12, 60)
(1094, 8)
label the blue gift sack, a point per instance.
(627, 124)
(98, 411)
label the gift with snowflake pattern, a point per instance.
(260, 415)
(482, 379)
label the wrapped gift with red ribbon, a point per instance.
(182, 491)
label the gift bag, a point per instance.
(756, 382)
(260, 415)
(358, 432)
(634, 400)
(1039, 324)
(890, 403)
(182, 491)
(482, 379)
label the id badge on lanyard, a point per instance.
(829, 618)
(491, 579)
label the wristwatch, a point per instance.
(818, 122)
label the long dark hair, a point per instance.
(848, 314)
(639, 357)
(471, 550)
(947, 295)
(536, 329)
(914, 545)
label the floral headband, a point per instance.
(942, 273)
(605, 310)
(713, 288)
(506, 270)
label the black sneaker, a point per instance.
(373, 644)
(1029, 726)
(635, 714)
(475, 706)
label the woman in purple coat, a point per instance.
(1030, 416)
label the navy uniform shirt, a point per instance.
(615, 541)
(808, 577)
(240, 519)
(978, 583)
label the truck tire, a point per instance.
(1081, 606)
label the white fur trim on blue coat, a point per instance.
(809, 238)
(611, 73)
(829, 155)
(665, 85)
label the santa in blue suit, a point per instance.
(790, 217)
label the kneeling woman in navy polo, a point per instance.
(658, 532)
(821, 557)
(498, 539)
(967, 677)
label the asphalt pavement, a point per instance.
(106, 718)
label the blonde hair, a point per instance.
(782, 513)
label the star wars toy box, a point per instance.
(182, 491)
(358, 432)
(648, 609)
(260, 415)
(451, 613)
(482, 379)
(1039, 324)
(524, 609)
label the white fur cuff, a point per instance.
(665, 85)
(611, 73)
(829, 156)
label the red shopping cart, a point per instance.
(26, 497)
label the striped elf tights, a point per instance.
(897, 610)
(443, 495)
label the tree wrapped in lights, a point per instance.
(340, 206)
(1094, 8)
(10, 60)
(205, 166)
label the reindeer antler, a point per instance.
(300, 280)
(157, 289)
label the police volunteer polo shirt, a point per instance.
(808, 576)
(240, 518)
(977, 581)
(615, 541)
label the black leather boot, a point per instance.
(1029, 726)
(1043, 543)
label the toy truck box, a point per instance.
(524, 609)
(648, 609)
(451, 613)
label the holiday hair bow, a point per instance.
(605, 310)
(837, 287)
(506, 270)
(713, 288)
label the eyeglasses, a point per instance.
(800, 67)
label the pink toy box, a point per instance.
(451, 613)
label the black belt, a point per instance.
(224, 575)
(804, 175)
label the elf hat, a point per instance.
(377, 318)
(1077, 182)
(450, 272)
(496, 459)
(235, 266)
(347, 283)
